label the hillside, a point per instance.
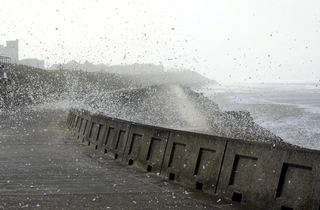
(150, 73)
(38, 85)
(182, 77)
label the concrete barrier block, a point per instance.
(78, 122)
(115, 138)
(298, 184)
(194, 159)
(72, 122)
(82, 129)
(146, 147)
(269, 177)
(69, 119)
(98, 126)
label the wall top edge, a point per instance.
(220, 138)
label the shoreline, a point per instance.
(289, 113)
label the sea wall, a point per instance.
(267, 176)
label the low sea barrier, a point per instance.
(267, 176)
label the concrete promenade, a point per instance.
(44, 167)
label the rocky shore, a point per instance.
(232, 124)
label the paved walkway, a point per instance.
(44, 167)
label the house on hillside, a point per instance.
(33, 62)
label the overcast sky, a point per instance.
(230, 41)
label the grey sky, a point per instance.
(230, 41)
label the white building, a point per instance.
(11, 51)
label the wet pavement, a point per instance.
(44, 167)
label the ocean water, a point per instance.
(291, 111)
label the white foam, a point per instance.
(291, 111)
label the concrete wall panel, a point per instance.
(78, 123)
(269, 177)
(146, 147)
(98, 125)
(73, 121)
(194, 159)
(115, 138)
